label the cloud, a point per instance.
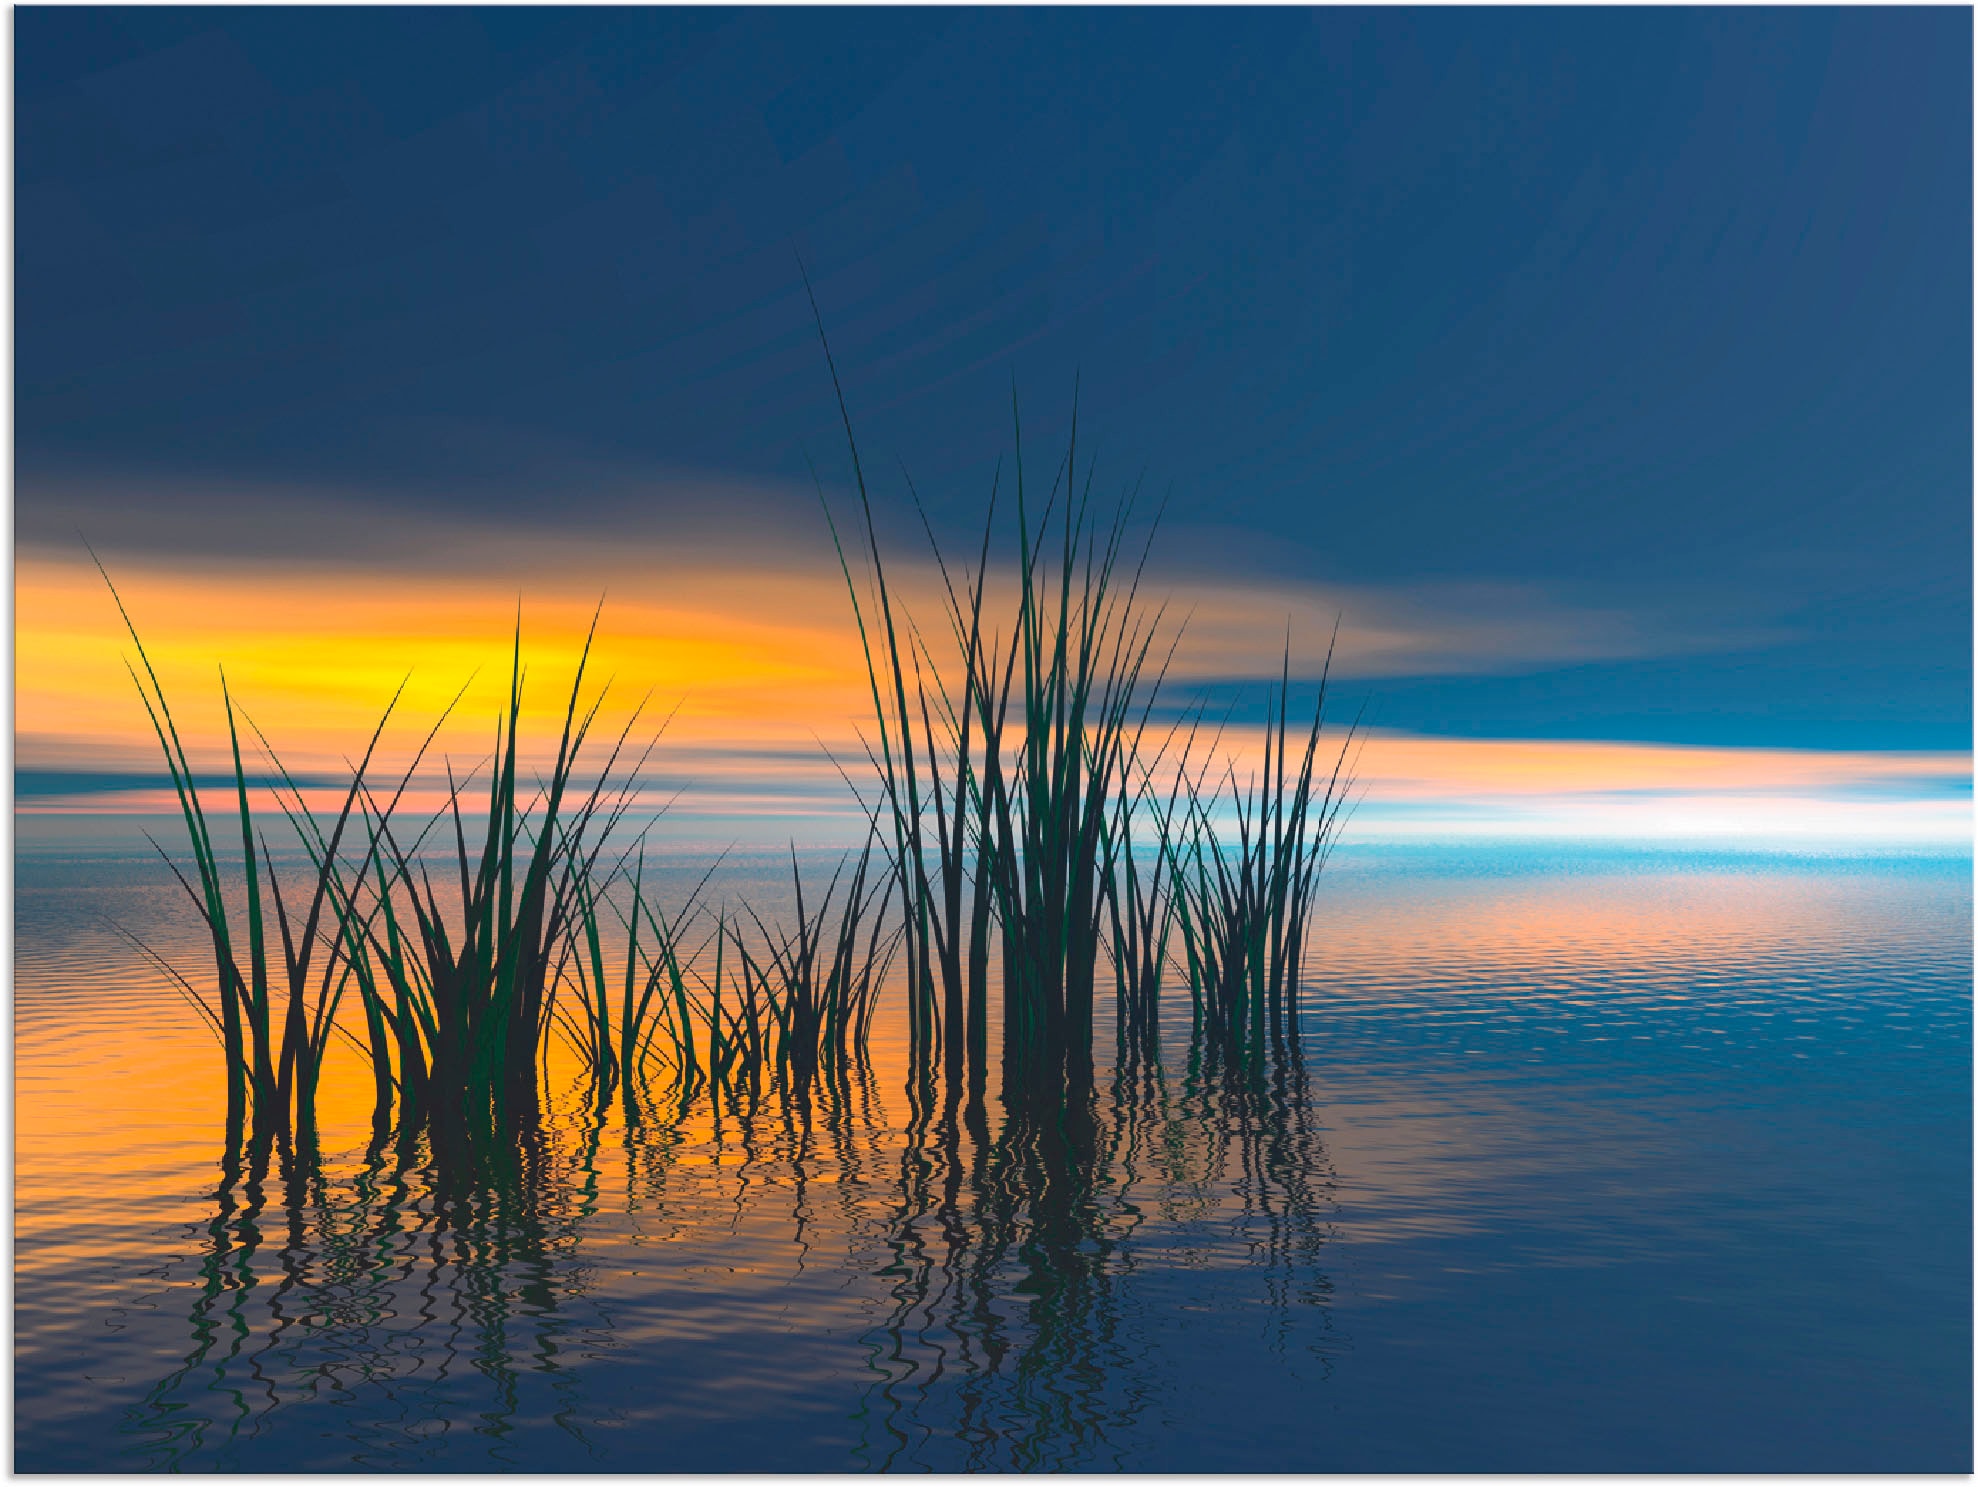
(764, 666)
(534, 524)
(1425, 629)
(726, 599)
(710, 543)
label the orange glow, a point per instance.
(765, 669)
(1412, 767)
(754, 660)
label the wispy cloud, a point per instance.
(763, 665)
(724, 600)
(1426, 629)
(665, 543)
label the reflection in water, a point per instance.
(1007, 1345)
(1654, 1165)
(992, 1251)
(309, 1287)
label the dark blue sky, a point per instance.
(1666, 311)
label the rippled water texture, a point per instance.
(1599, 1163)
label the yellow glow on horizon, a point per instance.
(314, 657)
(765, 669)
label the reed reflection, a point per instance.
(1014, 1341)
(997, 1248)
(385, 1287)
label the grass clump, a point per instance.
(457, 998)
(819, 980)
(622, 1024)
(273, 1050)
(473, 990)
(1244, 908)
(1028, 769)
(1028, 821)
(1036, 839)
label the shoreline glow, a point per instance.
(764, 669)
(1409, 789)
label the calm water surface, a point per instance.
(1596, 1162)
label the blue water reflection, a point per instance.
(1625, 1161)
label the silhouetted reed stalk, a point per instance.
(480, 983)
(1030, 824)
(819, 980)
(1027, 807)
(273, 1058)
(1244, 911)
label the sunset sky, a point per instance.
(1606, 374)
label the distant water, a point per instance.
(1592, 1162)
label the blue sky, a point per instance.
(1657, 320)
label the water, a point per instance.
(1593, 1162)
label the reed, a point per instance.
(1142, 893)
(272, 1052)
(1082, 653)
(1030, 805)
(625, 1023)
(759, 1009)
(999, 818)
(455, 1004)
(473, 991)
(1243, 908)
(820, 979)
(1034, 834)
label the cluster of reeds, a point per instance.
(1037, 834)
(1244, 908)
(1038, 824)
(462, 958)
(273, 1050)
(1029, 805)
(1020, 806)
(818, 982)
(723, 1010)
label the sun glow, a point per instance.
(314, 657)
(761, 672)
